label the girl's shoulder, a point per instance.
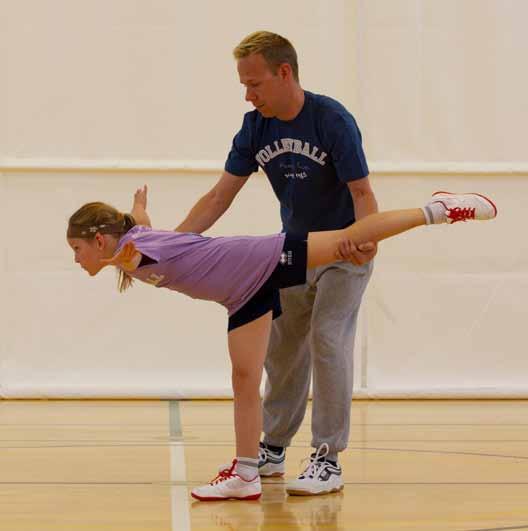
(144, 235)
(139, 229)
(135, 233)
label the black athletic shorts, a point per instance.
(290, 271)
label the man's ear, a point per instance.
(285, 71)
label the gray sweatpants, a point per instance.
(315, 332)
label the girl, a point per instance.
(244, 274)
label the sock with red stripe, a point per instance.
(246, 468)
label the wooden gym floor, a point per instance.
(129, 466)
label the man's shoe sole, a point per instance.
(272, 475)
(295, 492)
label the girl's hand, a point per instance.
(127, 258)
(139, 208)
(140, 198)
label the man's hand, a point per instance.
(358, 255)
(127, 258)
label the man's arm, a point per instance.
(363, 197)
(209, 208)
(364, 204)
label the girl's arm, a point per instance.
(139, 207)
(128, 258)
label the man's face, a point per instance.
(264, 89)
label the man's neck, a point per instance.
(295, 106)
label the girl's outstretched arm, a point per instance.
(139, 207)
(128, 258)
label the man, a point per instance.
(309, 146)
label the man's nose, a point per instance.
(250, 95)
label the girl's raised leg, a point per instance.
(322, 246)
(444, 207)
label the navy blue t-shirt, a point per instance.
(308, 161)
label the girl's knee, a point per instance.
(246, 380)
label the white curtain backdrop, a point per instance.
(100, 97)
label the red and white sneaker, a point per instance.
(464, 207)
(228, 485)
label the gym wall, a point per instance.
(99, 98)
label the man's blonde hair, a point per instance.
(275, 49)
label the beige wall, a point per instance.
(438, 88)
(127, 79)
(443, 80)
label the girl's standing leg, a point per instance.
(248, 345)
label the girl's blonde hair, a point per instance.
(101, 218)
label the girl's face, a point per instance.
(88, 253)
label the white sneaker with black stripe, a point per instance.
(319, 477)
(271, 464)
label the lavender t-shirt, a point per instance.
(227, 270)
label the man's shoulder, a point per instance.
(327, 105)
(252, 118)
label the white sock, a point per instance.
(434, 213)
(247, 468)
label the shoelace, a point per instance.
(460, 214)
(263, 453)
(317, 462)
(227, 473)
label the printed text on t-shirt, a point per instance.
(290, 145)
